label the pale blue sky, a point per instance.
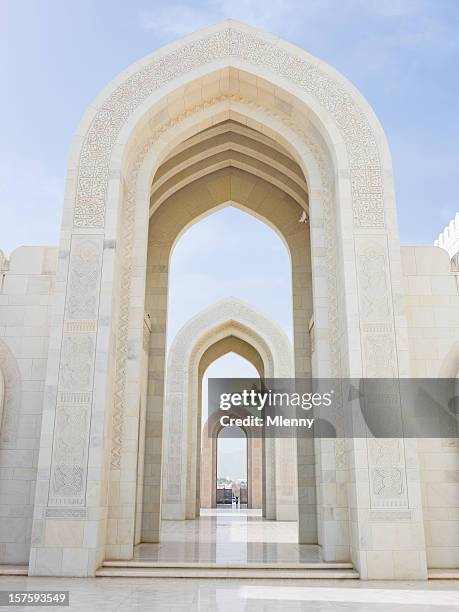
(56, 55)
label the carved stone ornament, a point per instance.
(362, 149)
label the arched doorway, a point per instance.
(330, 169)
(229, 325)
(232, 482)
(247, 449)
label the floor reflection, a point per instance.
(228, 535)
(201, 595)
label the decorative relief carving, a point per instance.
(127, 226)
(70, 455)
(379, 356)
(374, 295)
(357, 133)
(75, 398)
(71, 431)
(340, 454)
(77, 362)
(84, 278)
(385, 452)
(390, 517)
(387, 482)
(66, 513)
(372, 328)
(376, 319)
(387, 473)
(80, 326)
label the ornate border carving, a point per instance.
(361, 145)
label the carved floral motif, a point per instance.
(357, 133)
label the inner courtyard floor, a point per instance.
(201, 595)
(228, 535)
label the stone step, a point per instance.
(443, 574)
(212, 565)
(14, 570)
(273, 573)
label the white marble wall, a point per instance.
(432, 297)
(432, 300)
(26, 288)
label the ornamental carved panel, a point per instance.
(76, 373)
(375, 307)
(69, 465)
(358, 136)
(84, 278)
(388, 488)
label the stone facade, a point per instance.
(27, 287)
(227, 116)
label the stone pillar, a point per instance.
(387, 535)
(71, 493)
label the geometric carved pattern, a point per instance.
(77, 362)
(373, 283)
(69, 455)
(375, 312)
(76, 370)
(379, 355)
(127, 226)
(84, 275)
(362, 149)
(386, 460)
(66, 513)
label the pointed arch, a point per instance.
(228, 318)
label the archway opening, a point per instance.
(200, 198)
(229, 252)
(231, 472)
(231, 463)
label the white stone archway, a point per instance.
(207, 495)
(95, 355)
(230, 317)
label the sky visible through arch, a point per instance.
(229, 253)
(56, 56)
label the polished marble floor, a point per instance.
(190, 595)
(228, 535)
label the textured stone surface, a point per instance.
(90, 375)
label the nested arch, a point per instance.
(206, 465)
(207, 497)
(335, 106)
(232, 344)
(229, 71)
(228, 318)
